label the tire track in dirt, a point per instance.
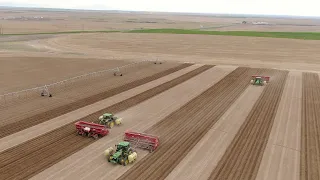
(180, 131)
(281, 158)
(243, 156)
(202, 159)
(310, 128)
(19, 162)
(42, 117)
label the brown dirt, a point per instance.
(138, 118)
(203, 158)
(244, 154)
(74, 91)
(42, 128)
(193, 120)
(46, 149)
(281, 158)
(42, 117)
(27, 72)
(104, 20)
(242, 51)
(310, 128)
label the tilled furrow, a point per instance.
(42, 117)
(64, 136)
(167, 129)
(243, 156)
(34, 145)
(182, 129)
(18, 168)
(310, 128)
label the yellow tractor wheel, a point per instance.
(126, 162)
(110, 124)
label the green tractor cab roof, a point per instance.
(107, 114)
(124, 143)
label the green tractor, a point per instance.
(258, 81)
(123, 155)
(109, 120)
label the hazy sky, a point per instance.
(278, 7)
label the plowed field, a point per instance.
(46, 149)
(243, 156)
(18, 125)
(193, 120)
(310, 131)
(219, 129)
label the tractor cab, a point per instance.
(109, 120)
(124, 146)
(107, 116)
(123, 154)
(258, 80)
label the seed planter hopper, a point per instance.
(142, 140)
(266, 78)
(259, 80)
(91, 129)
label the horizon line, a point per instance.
(173, 12)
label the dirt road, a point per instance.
(281, 159)
(180, 132)
(310, 128)
(202, 159)
(244, 154)
(46, 149)
(138, 118)
(47, 126)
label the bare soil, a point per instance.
(27, 72)
(138, 118)
(209, 150)
(48, 147)
(265, 147)
(241, 51)
(310, 127)
(49, 113)
(42, 128)
(244, 154)
(54, 21)
(281, 158)
(175, 144)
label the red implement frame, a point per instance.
(142, 140)
(91, 129)
(266, 78)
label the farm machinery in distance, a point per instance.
(109, 120)
(259, 80)
(125, 152)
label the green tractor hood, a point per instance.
(115, 157)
